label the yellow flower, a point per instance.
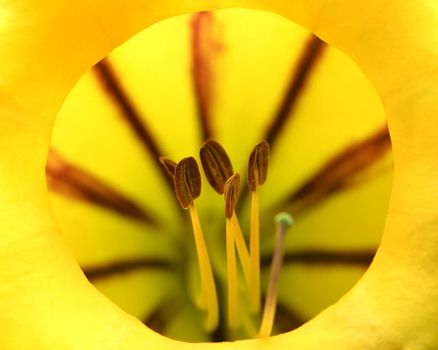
(47, 302)
(194, 77)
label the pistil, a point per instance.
(284, 221)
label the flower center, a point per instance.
(220, 175)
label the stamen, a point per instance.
(284, 221)
(208, 285)
(257, 174)
(231, 195)
(233, 312)
(216, 163)
(219, 172)
(254, 248)
(241, 247)
(169, 165)
(234, 239)
(187, 181)
(258, 165)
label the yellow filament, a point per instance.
(208, 287)
(233, 315)
(241, 247)
(254, 285)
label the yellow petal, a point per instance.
(394, 43)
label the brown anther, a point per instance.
(187, 181)
(231, 194)
(258, 165)
(169, 165)
(217, 165)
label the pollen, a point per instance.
(216, 163)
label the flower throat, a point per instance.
(220, 175)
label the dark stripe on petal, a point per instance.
(160, 318)
(339, 172)
(302, 72)
(125, 266)
(204, 48)
(71, 181)
(286, 319)
(362, 258)
(112, 85)
(312, 52)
